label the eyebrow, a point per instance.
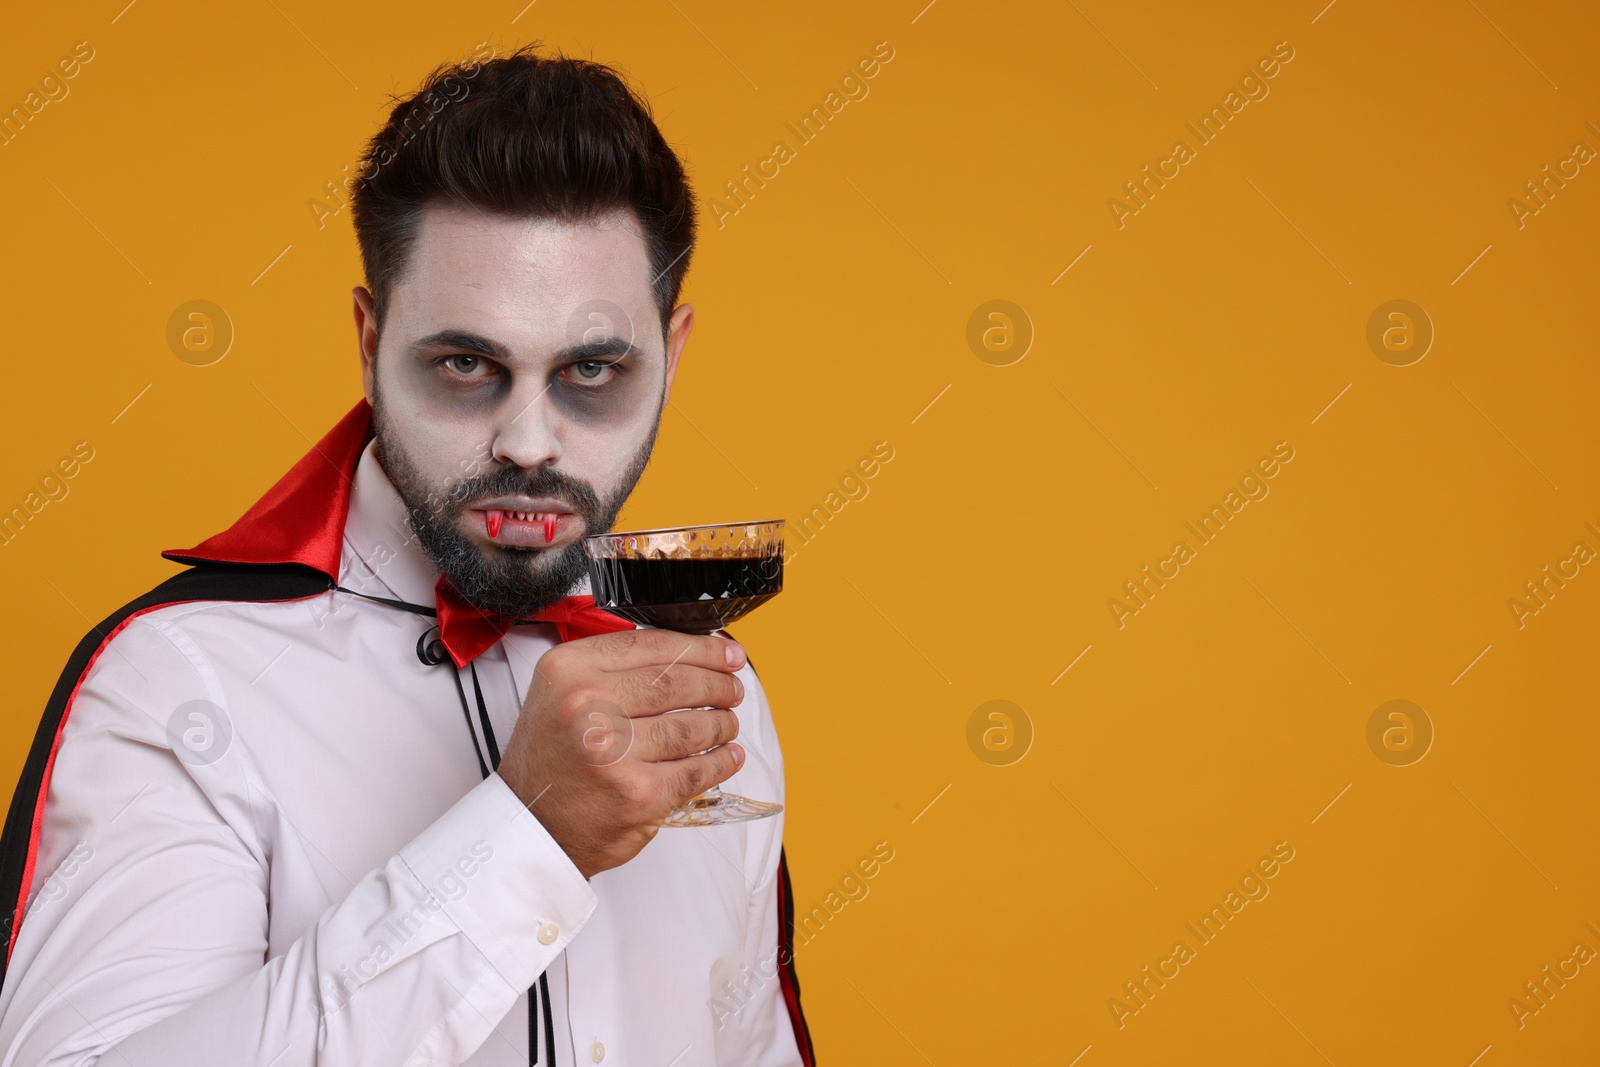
(453, 338)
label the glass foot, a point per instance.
(712, 808)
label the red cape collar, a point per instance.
(301, 518)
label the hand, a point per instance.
(600, 756)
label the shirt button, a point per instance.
(547, 934)
(597, 1052)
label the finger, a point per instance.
(689, 777)
(633, 649)
(650, 690)
(675, 735)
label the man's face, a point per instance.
(520, 376)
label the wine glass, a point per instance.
(695, 580)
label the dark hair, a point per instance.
(528, 135)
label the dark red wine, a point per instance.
(687, 595)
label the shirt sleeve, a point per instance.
(753, 1016)
(145, 938)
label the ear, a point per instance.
(366, 337)
(678, 328)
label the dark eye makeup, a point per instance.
(600, 388)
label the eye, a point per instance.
(592, 372)
(467, 365)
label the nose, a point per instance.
(526, 432)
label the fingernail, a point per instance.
(735, 654)
(738, 754)
(738, 688)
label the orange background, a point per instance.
(1227, 715)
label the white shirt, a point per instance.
(321, 876)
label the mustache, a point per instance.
(515, 481)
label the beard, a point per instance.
(506, 580)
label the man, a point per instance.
(262, 821)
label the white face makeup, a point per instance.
(522, 372)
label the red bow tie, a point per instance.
(467, 632)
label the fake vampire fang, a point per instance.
(549, 528)
(495, 518)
